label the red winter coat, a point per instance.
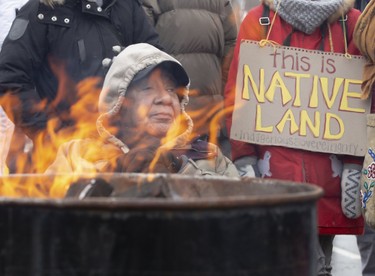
(295, 164)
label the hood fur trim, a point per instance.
(52, 3)
(346, 6)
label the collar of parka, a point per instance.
(345, 7)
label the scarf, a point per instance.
(306, 15)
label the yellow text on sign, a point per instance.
(263, 94)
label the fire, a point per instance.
(82, 115)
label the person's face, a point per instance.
(152, 104)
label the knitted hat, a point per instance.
(133, 63)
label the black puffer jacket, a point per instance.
(65, 42)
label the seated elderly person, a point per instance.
(143, 125)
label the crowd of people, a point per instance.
(164, 75)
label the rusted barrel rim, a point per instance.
(306, 193)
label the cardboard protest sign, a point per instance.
(300, 98)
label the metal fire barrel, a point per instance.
(164, 225)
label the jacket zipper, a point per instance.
(101, 39)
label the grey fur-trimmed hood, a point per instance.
(344, 8)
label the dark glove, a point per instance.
(247, 166)
(136, 160)
(169, 160)
(141, 160)
(141, 157)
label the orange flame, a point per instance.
(83, 113)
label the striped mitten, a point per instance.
(350, 191)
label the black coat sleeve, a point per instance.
(20, 58)
(143, 31)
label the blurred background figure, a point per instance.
(6, 133)
(201, 35)
(241, 7)
(364, 39)
(8, 9)
(366, 249)
(361, 4)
